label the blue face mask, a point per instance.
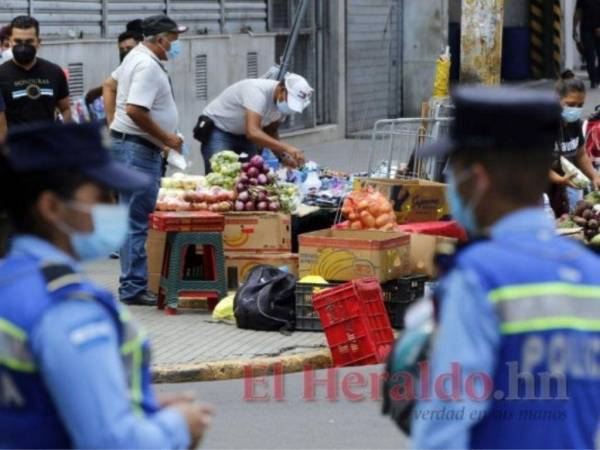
(111, 223)
(464, 214)
(571, 114)
(175, 50)
(284, 108)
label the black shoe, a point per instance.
(114, 255)
(145, 299)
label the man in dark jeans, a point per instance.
(587, 14)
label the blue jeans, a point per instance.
(134, 268)
(220, 140)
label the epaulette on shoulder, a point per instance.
(58, 276)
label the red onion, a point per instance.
(244, 178)
(252, 172)
(245, 166)
(250, 206)
(262, 206)
(253, 181)
(244, 196)
(266, 168)
(262, 197)
(262, 179)
(240, 187)
(274, 206)
(239, 206)
(257, 161)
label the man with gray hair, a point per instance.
(145, 124)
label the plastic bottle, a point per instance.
(312, 184)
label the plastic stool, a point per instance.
(171, 280)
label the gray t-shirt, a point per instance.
(228, 110)
(143, 81)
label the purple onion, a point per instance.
(245, 167)
(274, 206)
(262, 179)
(257, 161)
(252, 172)
(240, 206)
(241, 187)
(262, 206)
(262, 197)
(244, 196)
(250, 206)
(253, 181)
(266, 168)
(244, 178)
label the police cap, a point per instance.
(501, 120)
(49, 146)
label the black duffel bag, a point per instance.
(266, 300)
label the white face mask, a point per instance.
(7, 55)
(284, 108)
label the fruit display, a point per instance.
(368, 210)
(214, 199)
(255, 188)
(226, 168)
(587, 216)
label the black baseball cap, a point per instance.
(47, 146)
(500, 119)
(153, 25)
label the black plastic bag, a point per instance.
(266, 301)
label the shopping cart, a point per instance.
(395, 148)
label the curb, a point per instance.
(233, 369)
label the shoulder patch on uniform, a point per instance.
(58, 276)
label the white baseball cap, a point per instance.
(299, 92)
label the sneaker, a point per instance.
(145, 299)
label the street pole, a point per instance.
(481, 41)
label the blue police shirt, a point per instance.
(469, 334)
(76, 346)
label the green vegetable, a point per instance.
(595, 241)
(593, 197)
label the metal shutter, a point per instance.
(120, 12)
(252, 65)
(76, 80)
(201, 77)
(202, 16)
(11, 8)
(372, 62)
(245, 14)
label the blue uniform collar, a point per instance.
(40, 249)
(532, 222)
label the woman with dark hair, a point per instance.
(570, 144)
(74, 368)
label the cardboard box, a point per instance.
(258, 232)
(155, 249)
(239, 265)
(338, 255)
(413, 200)
(423, 248)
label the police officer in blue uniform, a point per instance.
(74, 368)
(519, 330)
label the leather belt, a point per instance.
(136, 139)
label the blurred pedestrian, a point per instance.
(145, 123)
(74, 367)
(246, 117)
(517, 341)
(586, 31)
(570, 144)
(33, 89)
(5, 51)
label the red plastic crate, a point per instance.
(356, 323)
(198, 221)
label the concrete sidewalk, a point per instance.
(191, 346)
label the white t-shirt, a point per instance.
(143, 81)
(228, 110)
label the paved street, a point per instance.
(295, 423)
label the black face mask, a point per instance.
(24, 53)
(123, 54)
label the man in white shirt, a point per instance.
(145, 124)
(247, 116)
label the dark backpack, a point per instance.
(266, 301)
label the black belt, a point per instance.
(136, 139)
